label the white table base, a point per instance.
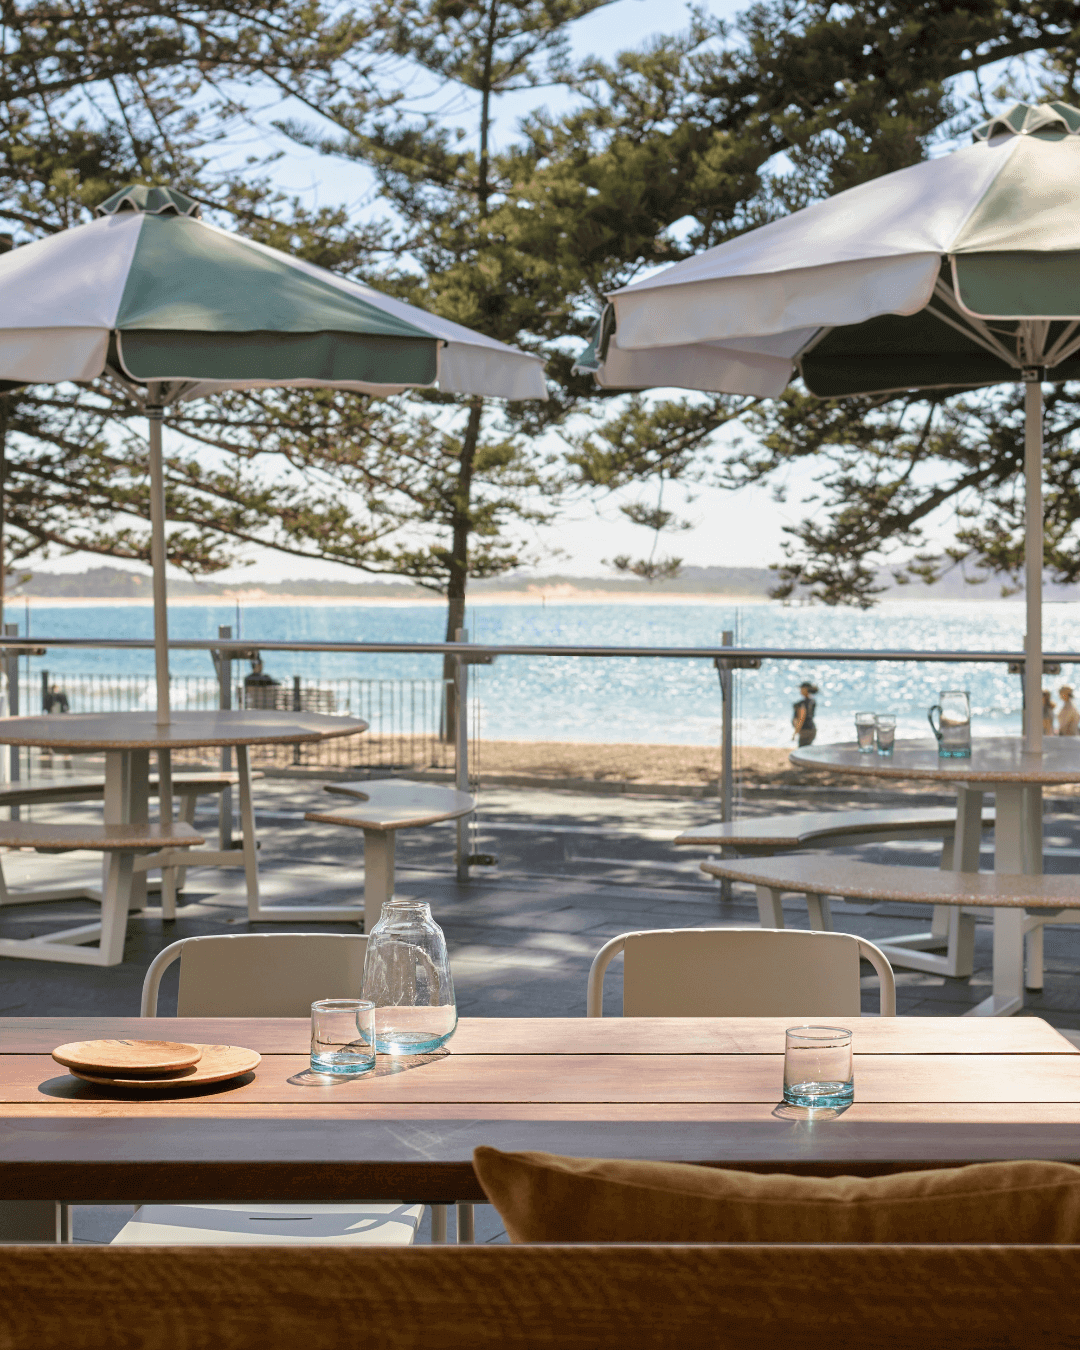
(175, 862)
(1018, 849)
(379, 855)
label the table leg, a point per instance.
(249, 840)
(30, 1221)
(968, 838)
(1017, 849)
(165, 816)
(127, 794)
(127, 800)
(115, 902)
(378, 873)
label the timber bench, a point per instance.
(120, 844)
(1057, 898)
(766, 836)
(384, 806)
(187, 788)
(763, 836)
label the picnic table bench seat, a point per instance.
(1056, 898)
(765, 835)
(120, 844)
(185, 785)
(187, 789)
(53, 838)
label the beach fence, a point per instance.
(405, 716)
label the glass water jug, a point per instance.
(953, 727)
(407, 977)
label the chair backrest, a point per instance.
(740, 972)
(259, 974)
(580, 1297)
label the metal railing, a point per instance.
(405, 717)
(398, 749)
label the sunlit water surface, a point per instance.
(638, 699)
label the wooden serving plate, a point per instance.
(130, 1059)
(217, 1063)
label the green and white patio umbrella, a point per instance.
(169, 307)
(955, 273)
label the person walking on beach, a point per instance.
(1068, 723)
(1048, 713)
(803, 715)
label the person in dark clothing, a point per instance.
(56, 701)
(260, 689)
(803, 714)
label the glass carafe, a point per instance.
(953, 727)
(407, 977)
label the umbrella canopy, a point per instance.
(169, 307)
(955, 273)
(149, 293)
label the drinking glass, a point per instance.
(885, 726)
(342, 1035)
(864, 731)
(818, 1067)
(953, 727)
(407, 977)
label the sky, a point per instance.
(743, 529)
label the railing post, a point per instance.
(727, 689)
(11, 673)
(223, 666)
(461, 752)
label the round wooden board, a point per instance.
(131, 1059)
(218, 1063)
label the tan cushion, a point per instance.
(546, 1198)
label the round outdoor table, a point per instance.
(126, 740)
(997, 765)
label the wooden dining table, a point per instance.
(929, 1091)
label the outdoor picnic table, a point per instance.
(998, 765)
(928, 1091)
(127, 738)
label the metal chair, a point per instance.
(740, 972)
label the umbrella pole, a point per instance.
(154, 413)
(1033, 566)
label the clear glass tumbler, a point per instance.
(864, 731)
(407, 977)
(885, 727)
(818, 1068)
(342, 1035)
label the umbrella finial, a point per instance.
(1046, 120)
(152, 201)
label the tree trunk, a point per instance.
(461, 523)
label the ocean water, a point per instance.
(614, 699)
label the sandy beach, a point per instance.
(641, 766)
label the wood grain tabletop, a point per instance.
(929, 1091)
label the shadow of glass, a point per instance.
(385, 1066)
(785, 1111)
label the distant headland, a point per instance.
(702, 583)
